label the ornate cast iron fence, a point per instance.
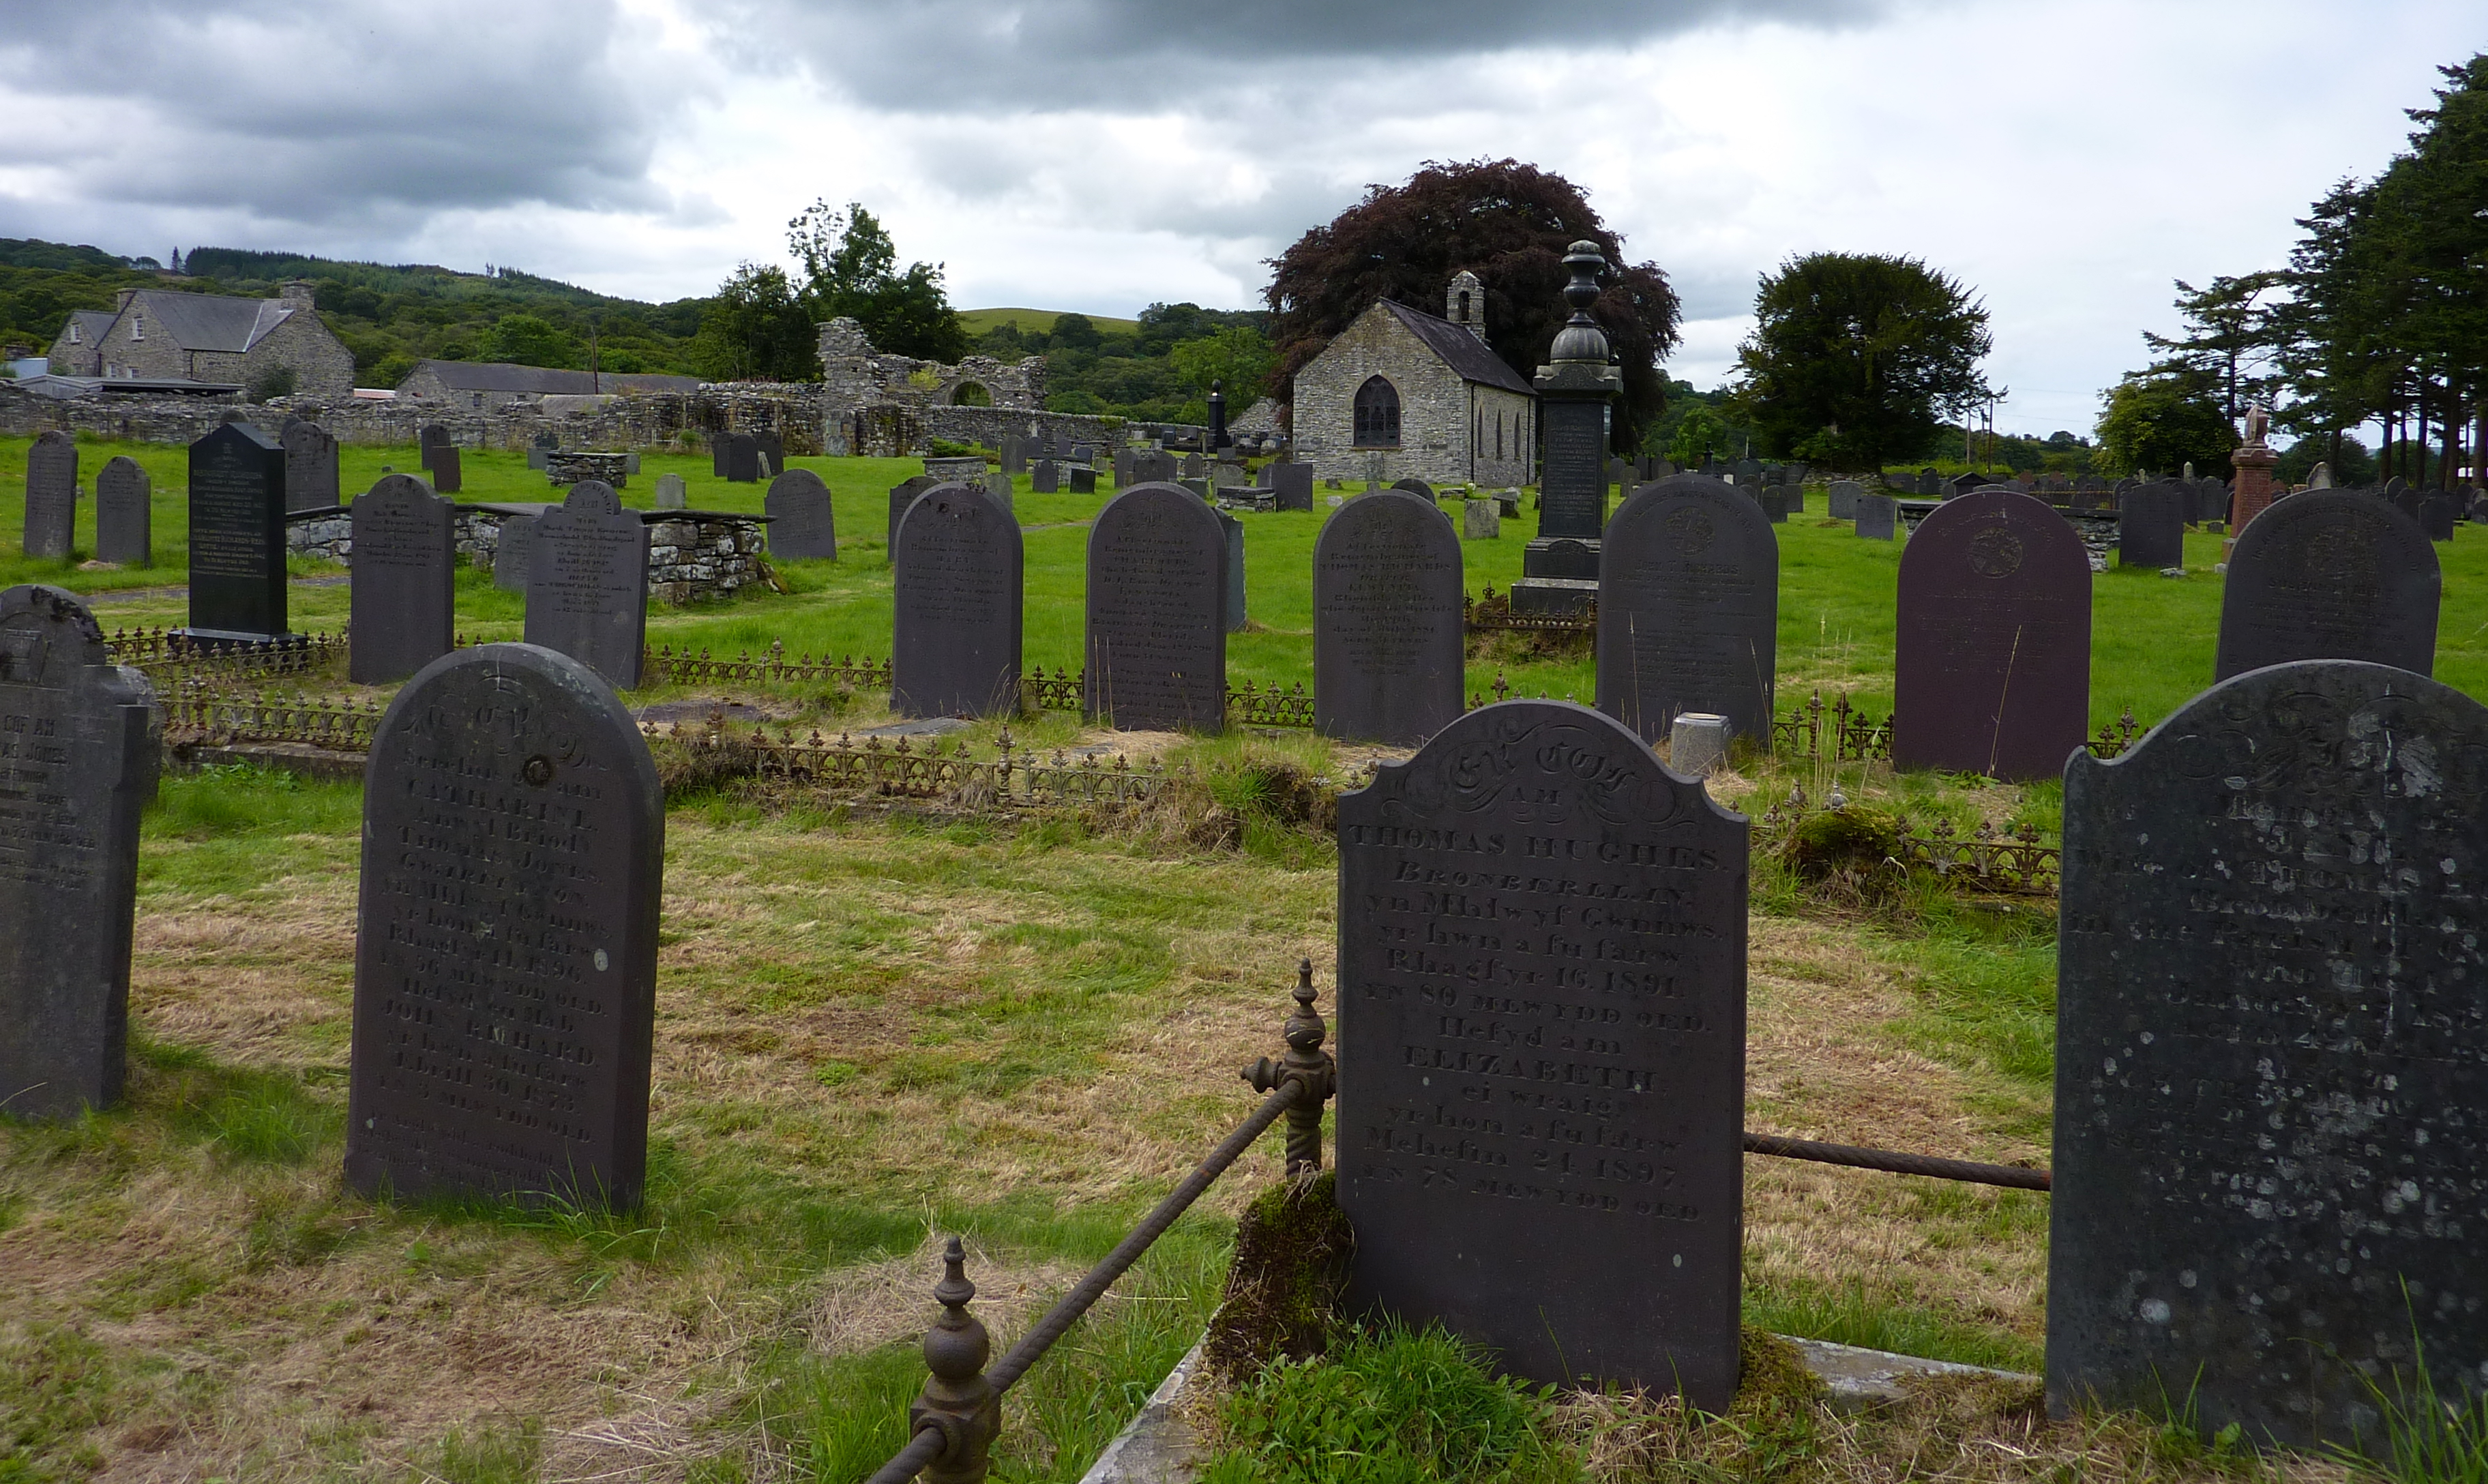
(194, 712)
(169, 653)
(1492, 612)
(1856, 737)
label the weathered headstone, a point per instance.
(310, 466)
(901, 495)
(1044, 477)
(1877, 516)
(1688, 609)
(1542, 961)
(505, 964)
(436, 435)
(999, 484)
(2435, 516)
(447, 474)
(2330, 574)
(587, 583)
(720, 453)
(401, 599)
(1480, 519)
(771, 447)
(1416, 487)
(1844, 498)
(1387, 621)
(1014, 455)
(77, 764)
(956, 608)
(1775, 504)
(52, 493)
(236, 535)
(2320, 477)
(537, 457)
(1233, 530)
(801, 523)
(672, 493)
(2268, 1169)
(1991, 657)
(124, 506)
(631, 461)
(1293, 484)
(513, 553)
(1157, 631)
(1083, 480)
(742, 458)
(2151, 528)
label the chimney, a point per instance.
(298, 291)
(121, 300)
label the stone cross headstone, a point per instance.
(2330, 574)
(1844, 498)
(124, 506)
(447, 474)
(1542, 961)
(2151, 528)
(78, 757)
(2268, 1165)
(901, 495)
(1045, 477)
(505, 963)
(1291, 485)
(1991, 653)
(1388, 628)
(1688, 609)
(673, 492)
(588, 582)
(1877, 516)
(310, 468)
(403, 599)
(237, 535)
(1233, 530)
(958, 571)
(801, 523)
(513, 553)
(1156, 613)
(1480, 519)
(51, 494)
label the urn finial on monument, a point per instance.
(1580, 339)
(1576, 390)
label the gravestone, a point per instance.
(2330, 574)
(402, 597)
(537, 457)
(2320, 477)
(513, 553)
(999, 484)
(1749, 472)
(1156, 613)
(2267, 1166)
(1991, 655)
(1776, 505)
(310, 466)
(1015, 456)
(672, 493)
(77, 763)
(1156, 467)
(2395, 486)
(1191, 467)
(1877, 516)
(902, 496)
(1044, 477)
(1416, 487)
(1688, 609)
(720, 453)
(434, 436)
(447, 475)
(1387, 621)
(588, 582)
(1083, 480)
(1844, 498)
(2435, 516)
(1964, 484)
(1931, 484)
(1480, 519)
(52, 493)
(956, 608)
(1542, 961)
(505, 961)
(772, 448)
(237, 535)
(800, 520)
(631, 461)
(124, 506)
(1233, 530)
(1122, 468)
(742, 459)
(1291, 485)
(2151, 528)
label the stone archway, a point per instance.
(970, 394)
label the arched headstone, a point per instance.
(403, 599)
(237, 535)
(1844, 498)
(505, 961)
(801, 522)
(125, 512)
(1992, 658)
(588, 582)
(52, 493)
(1156, 613)
(1688, 608)
(2330, 574)
(959, 568)
(310, 466)
(1387, 621)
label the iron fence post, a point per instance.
(957, 1400)
(1310, 1068)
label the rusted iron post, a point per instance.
(1307, 1065)
(957, 1401)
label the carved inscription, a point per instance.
(229, 521)
(238, 532)
(1688, 608)
(1573, 488)
(956, 608)
(588, 582)
(1158, 634)
(2330, 575)
(1387, 636)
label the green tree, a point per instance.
(755, 330)
(850, 270)
(1855, 357)
(1698, 436)
(1076, 331)
(2159, 421)
(1238, 356)
(2229, 336)
(529, 341)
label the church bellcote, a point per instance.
(1464, 303)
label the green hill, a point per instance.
(1036, 322)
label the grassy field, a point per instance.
(976, 322)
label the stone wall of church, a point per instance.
(1444, 419)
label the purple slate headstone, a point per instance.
(448, 476)
(958, 571)
(1293, 485)
(1688, 608)
(1156, 619)
(1387, 621)
(2330, 574)
(1992, 670)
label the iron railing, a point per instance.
(165, 653)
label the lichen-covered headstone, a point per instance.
(1156, 613)
(1387, 621)
(513, 551)
(1688, 608)
(801, 522)
(52, 493)
(310, 466)
(672, 493)
(958, 570)
(1877, 516)
(125, 511)
(403, 600)
(2330, 574)
(588, 582)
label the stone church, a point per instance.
(1401, 394)
(157, 334)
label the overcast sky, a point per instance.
(2067, 159)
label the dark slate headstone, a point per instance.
(505, 965)
(1964, 484)
(1044, 477)
(77, 764)
(1416, 487)
(742, 459)
(404, 611)
(1749, 472)
(513, 553)
(1844, 498)
(1157, 631)
(237, 534)
(588, 582)
(2151, 528)
(1014, 455)
(433, 433)
(1387, 621)
(1233, 530)
(1293, 485)
(51, 494)
(1156, 467)
(1688, 608)
(2330, 574)
(1931, 484)
(1991, 655)
(310, 466)
(125, 512)
(1542, 961)
(2211, 501)
(901, 495)
(720, 453)
(1775, 504)
(2435, 516)
(2269, 1167)
(802, 523)
(2408, 502)
(956, 606)
(539, 457)
(773, 448)
(1877, 516)
(447, 471)
(1083, 480)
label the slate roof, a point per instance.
(1460, 350)
(544, 380)
(210, 322)
(92, 323)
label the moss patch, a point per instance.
(1284, 1288)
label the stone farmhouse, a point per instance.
(886, 405)
(158, 334)
(1401, 394)
(491, 386)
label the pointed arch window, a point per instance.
(1377, 414)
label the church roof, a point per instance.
(1460, 350)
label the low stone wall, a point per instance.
(691, 554)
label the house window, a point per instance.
(1498, 435)
(1377, 414)
(138, 326)
(479, 398)
(75, 337)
